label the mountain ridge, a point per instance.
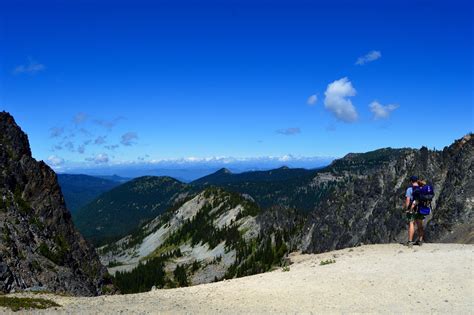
(79, 189)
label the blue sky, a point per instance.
(98, 82)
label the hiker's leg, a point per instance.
(421, 232)
(411, 230)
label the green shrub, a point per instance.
(23, 206)
(16, 304)
(327, 262)
(180, 276)
(57, 256)
(114, 263)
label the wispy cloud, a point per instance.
(312, 100)
(101, 158)
(79, 118)
(69, 145)
(109, 124)
(56, 132)
(337, 100)
(111, 147)
(129, 138)
(289, 131)
(81, 149)
(85, 132)
(369, 57)
(32, 67)
(100, 140)
(55, 161)
(382, 111)
(143, 158)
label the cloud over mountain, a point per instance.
(101, 158)
(55, 161)
(337, 100)
(381, 111)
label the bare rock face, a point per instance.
(39, 247)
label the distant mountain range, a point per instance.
(187, 170)
(79, 190)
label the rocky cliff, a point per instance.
(362, 194)
(39, 246)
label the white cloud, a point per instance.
(371, 56)
(128, 138)
(382, 111)
(289, 131)
(312, 100)
(55, 161)
(337, 100)
(101, 158)
(31, 68)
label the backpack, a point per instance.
(426, 193)
(423, 195)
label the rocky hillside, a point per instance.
(39, 246)
(123, 209)
(362, 194)
(357, 199)
(211, 236)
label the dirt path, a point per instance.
(369, 279)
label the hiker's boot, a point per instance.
(419, 243)
(409, 244)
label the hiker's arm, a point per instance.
(407, 203)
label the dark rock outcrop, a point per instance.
(39, 246)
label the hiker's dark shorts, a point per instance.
(414, 216)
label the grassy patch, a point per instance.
(16, 303)
(327, 262)
(114, 263)
(161, 251)
(285, 269)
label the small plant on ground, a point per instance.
(327, 262)
(16, 303)
(285, 269)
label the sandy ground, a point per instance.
(434, 278)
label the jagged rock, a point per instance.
(39, 246)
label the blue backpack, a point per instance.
(424, 195)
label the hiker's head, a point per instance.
(414, 179)
(421, 183)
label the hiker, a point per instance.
(413, 216)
